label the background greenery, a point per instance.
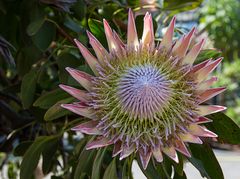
(36, 44)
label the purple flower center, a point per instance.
(143, 91)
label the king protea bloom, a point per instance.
(144, 98)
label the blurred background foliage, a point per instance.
(36, 44)
(220, 19)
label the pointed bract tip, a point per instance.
(69, 69)
(90, 35)
(130, 11)
(204, 110)
(75, 40)
(64, 106)
(64, 87)
(61, 86)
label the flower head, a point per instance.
(144, 98)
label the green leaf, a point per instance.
(97, 165)
(28, 88)
(79, 147)
(111, 171)
(34, 26)
(205, 161)
(31, 157)
(181, 5)
(226, 129)
(79, 5)
(45, 35)
(127, 168)
(85, 162)
(48, 99)
(134, 3)
(97, 29)
(73, 25)
(48, 157)
(56, 111)
(64, 60)
(22, 148)
(26, 57)
(207, 54)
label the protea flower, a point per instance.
(144, 98)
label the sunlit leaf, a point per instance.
(181, 5)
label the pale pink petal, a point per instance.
(127, 150)
(209, 93)
(195, 129)
(132, 38)
(112, 43)
(118, 40)
(202, 120)
(187, 137)
(102, 142)
(148, 31)
(145, 157)
(79, 94)
(167, 38)
(171, 152)
(207, 83)
(117, 149)
(99, 50)
(182, 49)
(178, 43)
(80, 110)
(180, 146)
(200, 66)
(81, 77)
(204, 110)
(88, 128)
(193, 53)
(157, 154)
(203, 73)
(91, 60)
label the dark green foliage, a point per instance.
(205, 161)
(43, 145)
(228, 131)
(36, 45)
